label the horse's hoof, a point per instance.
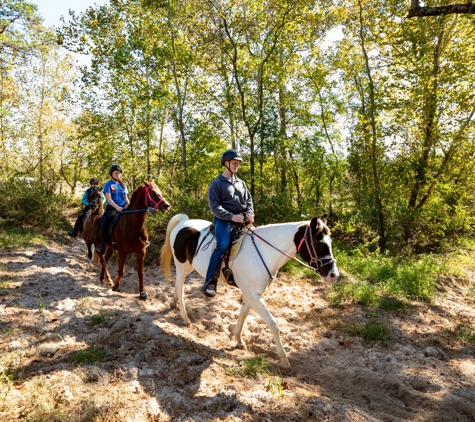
(173, 304)
(186, 322)
(116, 288)
(143, 296)
(284, 370)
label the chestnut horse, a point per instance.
(129, 234)
(263, 251)
(93, 215)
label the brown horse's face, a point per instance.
(155, 198)
(95, 203)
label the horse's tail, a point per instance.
(166, 251)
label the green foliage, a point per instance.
(275, 386)
(370, 331)
(99, 319)
(89, 355)
(251, 368)
(411, 278)
(31, 203)
(465, 333)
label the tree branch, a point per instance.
(418, 11)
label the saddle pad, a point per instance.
(236, 246)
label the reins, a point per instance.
(253, 233)
(153, 207)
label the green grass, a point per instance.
(250, 368)
(409, 278)
(99, 319)
(370, 331)
(465, 333)
(16, 237)
(90, 355)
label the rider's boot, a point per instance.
(101, 249)
(209, 288)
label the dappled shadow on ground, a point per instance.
(55, 318)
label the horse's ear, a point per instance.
(324, 218)
(146, 183)
(314, 223)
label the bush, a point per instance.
(31, 203)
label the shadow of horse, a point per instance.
(129, 234)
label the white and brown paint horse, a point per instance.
(275, 244)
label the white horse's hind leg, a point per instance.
(240, 323)
(258, 304)
(179, 295)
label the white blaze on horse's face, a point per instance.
(333, 273)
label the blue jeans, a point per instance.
(222, 231)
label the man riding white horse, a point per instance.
(229, 201)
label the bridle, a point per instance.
(151, 201)
(313, 256)
(315, 261)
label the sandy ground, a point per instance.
(153, 368)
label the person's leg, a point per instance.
(78, 223)
(222, 231)
(108, 217)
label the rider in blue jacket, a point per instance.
(86, 199)
(228, 200)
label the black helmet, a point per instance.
(230, 154)
(94, 181)
(114, 168)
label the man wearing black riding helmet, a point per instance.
(228, 200)
(115, 192)
(86, 199)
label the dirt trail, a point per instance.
(153, 368)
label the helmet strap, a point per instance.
(230, 171)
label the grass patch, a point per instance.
(89, 355)
(370, 331)
(364, 294)
(465, 333)
(249, 368)
(19, 237)
(408, 278)
(99, 319)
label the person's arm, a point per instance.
(111, 202)
(84, 198)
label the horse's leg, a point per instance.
(105, 270)
(140, 263)
(240, 323)
(179, 295)
(257, 303)
(120, 270)
(89, 252)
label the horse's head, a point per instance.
(95, 201)
(154, 198)
(315, 247)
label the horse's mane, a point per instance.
(135, 193)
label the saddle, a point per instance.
(237, 236)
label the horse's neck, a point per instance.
(136, 220)
(280, 236)
(138, 201)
